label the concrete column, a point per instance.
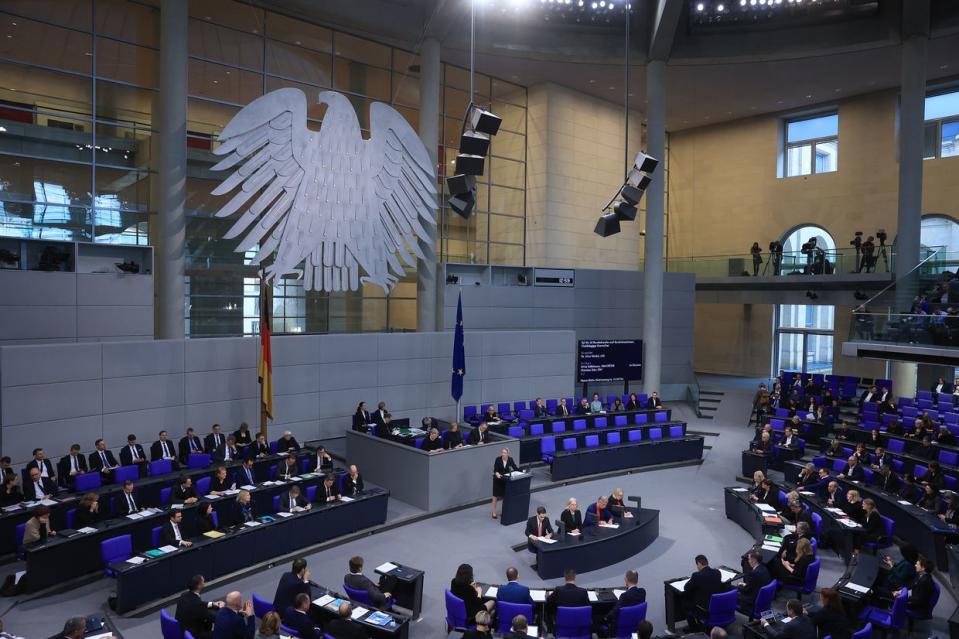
(911, 116)
(655, 204)
(170, 139)
(426, 307)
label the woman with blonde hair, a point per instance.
(269, 626)
(793, 571)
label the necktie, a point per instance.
(539, 528)
(249, 475)
(192, 445)
(176, 532)
(73, 462)
(38, 490)
(43, 468)
(216, 440)
(133, 452)
(132, 504)
(103, 457)
(292, 504)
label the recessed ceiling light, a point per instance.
(808, 97)
(700, 7)
(720, 7)
(943, 66)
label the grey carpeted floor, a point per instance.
(692, 521)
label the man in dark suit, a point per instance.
(569, 594)
(632, 596)
(795, 513)
(871, 395)
(562, 410)
(74, 628)
(379, 415)
(358, 581)
(479, 435)
(799, 625)
(39, 487)
(518, 628)
(833, 495)
(513, 591)
(287, 470)
(226, 452)
(329, 491)
(287, 443)
(291, 584)
(343, 627)
(102, 460)
(214, 440)
(132, 453)
(537, 526)
(788, 549)
(297, 618)
(163, 448)
(194, 615)
(700, 587)
(244, 475)
(353, 482)
(881, 459)
(539, 408)
(172, 535)
(71, 465)
(235, 619)
(853, 471)
(189, 443)
(653, 401)
(922, 590)
(888, 480)
(755, 578)
(184, 492)
(126, 502)
(293, 502)
(45, 465)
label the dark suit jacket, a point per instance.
(561, 411)
(653, 403)
(572, 521)
(514, 592)
(84, 517)
(531, 526)
(209, 445)
(801, 627)
(753, 581)
(220, 485)
(230, 624)
(582, 410)
(285, 508)
(540, 411)
(156, 450)
(49, 488)
(240, 516)
(281, 472)
(890, 483)
(452, 440)
(35, 464)
(345, 629)
(378, 417)
(702, 585)
(352, 486)
(568, 595)
(468, 594)
(181, 494)
(240, 478)
(97, 464)
(126, 455)
(831, 623)
(122, 506)
(219, 454)
(631, 597)
(184, 447)
(169, 537)
(64, 466)
(362, 582)
(323, 493)
(360, 419)
(286, 445)
(854, 474)
(476, 437)
(287, 589)
(920, 595)
(193, 614)
(256, 449)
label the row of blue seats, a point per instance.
(548, 443)
(516, 409)
(919, 470)
(559, 425)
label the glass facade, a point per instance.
(77, 89)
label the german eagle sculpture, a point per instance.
(327, 204)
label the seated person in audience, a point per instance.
(939, 387)
(598, 514)
(909, 491)
(567, 595)
(757, 486)
(934, 475)
(38, 527)
(767, 429)
(618, 406)
(184, 492)
(220, 483)
(880, 459)
(379, 415)
(214, 440)
(10, 494)
(572, 518)
(894, 575)
(71, 465)
(243, 508)
(193, 614)
(833, 495)
(764, 445)
(791, 569)
(875, 438)
(872, 526)
(944, 437)
(163, 448)
(789, 440)
(562, 410)
(888, 407)
(871, 395)
(102, 460)
(537, 526)
(269, 626)
(433, 443)
(950, 509)
(292, 583)
(799, 626)
(769, 494)
(377, 592)
(204, 518)
(172, 535)
(699, 588)
(633, 595)
(329, 491)
(888, 480)
(491, 415)
(795, 513)
(808, 476)
(853, 471)
(453, 438)
(294, 502)
(479, 435)
(518, 628)
(383, 428)
(917, 429)
(132, 454)
(5, 465)
(583, 407)
(921, 590)
(297, 618)
(754, 578)
(482, 629)
(863, 458)
(852, 506)
(894, 428)
(343, 627)
(353, 482)
(39, 487)
(830, 617)
(88, 511)
(653, 401)
(323, 461)
(539, 408)
(617, 505)
(189, 444)
(242, 436)
(127, 503)
(464, 586)
(596, 405)
(835, 449)
(844, 433)
(927, 451)
(287, 470)
(245, 475)
(788, 547)
(362, 418)
(235, 619)
(287, 443)
(40, 462)
(226, 452)
(633, 402)
(930, 498)
(260, 447)
(513, 591)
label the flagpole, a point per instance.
(263, 415)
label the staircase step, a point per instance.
(711, 400)
(710, 392)
(709, 408)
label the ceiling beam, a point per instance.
(663, 30)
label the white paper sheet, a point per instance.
(593, 597)
(618, 592)
(358, 612)
(86, 530)
(136, 561)
(726, 575)
(284, 514)
(346, 499)
(491, 592)
(387, 567)
(322, 601)
(678, 585)
(545, 540)
(856, 587)
(740, 490)
(771, 548)
(538, 596)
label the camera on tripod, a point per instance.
(882, 236)
(856, 240)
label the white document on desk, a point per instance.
(284, 514)
(904, 502)
(766, 508)
(387, 567)
(538, 596)
(740, 490)
(593, 597)
(856, 587)
(532, 631)
(346, 499)
(835, 511)
(358, 612)
(248, 487)
(848, 523)
(322, 601)
(618, 592)
(134, 516)
(679, 584)
(546, 540)
(48, 502)
(614, 526)
(86, 530)
(491, 592)
(726, 575)
(101, 636)
(136, 561)
(251, 524)
(167, 548)
(770, 548)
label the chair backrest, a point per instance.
(579, 424)
(948, 458)
(777, 424)
(362, 596)
(838, 465)
(620, 420)
(165, 494)
(505, 611)
(515, 431)
(569, 443)
(524, 413)
(634, 435)
(559, 426)
(898, 465)
(484, 407)
(276, 503)
(655, 433)
(71, 514)
(203, 486)
(116, 549)
(518, 406)
(628, 617)
(600, 422)
(161, 467)
(536, 429)
(261, 606)
(889, 526)
(198, 460)
(86, 482)
(782, 498)
(503, 408)
(469, 411)
(18, 533)
(592, 441)
(661, 417)
(812, 575)
(551, 404)
(676, 430)
(216, 518)
(920, 471)
(124, 473)
(863, 633)
(455, 611)
(610, 400)
(641, 418)
(574, 622)
(613, 438)
(169, 626)
(155, 533)
(547, 445)
(764, 598)
(286, 630)
(897, 615)
(722, 609)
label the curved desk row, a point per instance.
(589, 461)
(531, 446)
(747, 514)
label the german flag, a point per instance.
(265, 367)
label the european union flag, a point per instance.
(459, 354)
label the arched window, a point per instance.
(794, 240)
(795, 260)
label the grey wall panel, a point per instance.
(220, 385)
(122, 394)
(107, 289)
(43, 364)
(114, 321)
(228, 414)
(145, 424)
(499, 366)
(406, 371)
(552, 342)
(220, 354)
(303, 431)
(392, 346)
(292, 350)
(503, 390)
(546, 364)
(294, 380)
(348, 348)
(37, 288)
(48, 402)
(408, 397)
(506, 343)
(349, 374)
(54, 436)
(38, 322)
(296, 408)
(153, 357)
(341, 403)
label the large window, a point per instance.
(941, 139)
(812, 145)
(804, 338)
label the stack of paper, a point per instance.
(251, 524)
(856, 587)
(168, 548)
(322, 601)
(86, 530)
(679, 584)
(284, 514)
(491, 592)
(539, 596)
(546, 540)
(618, 592)
(387, 567)
(593, 597)
(136, 561)
(345, 498)
(740, 490)
(248, 487)
(770, 548)
(358, 612)
(726, 575)
(213, 534)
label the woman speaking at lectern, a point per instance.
(503, 465)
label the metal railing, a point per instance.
(789, 263)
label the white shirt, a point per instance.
(167, 450)
(42, 465)
(38, 490)
(134, 453)
(939, 388)
(176, 531)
